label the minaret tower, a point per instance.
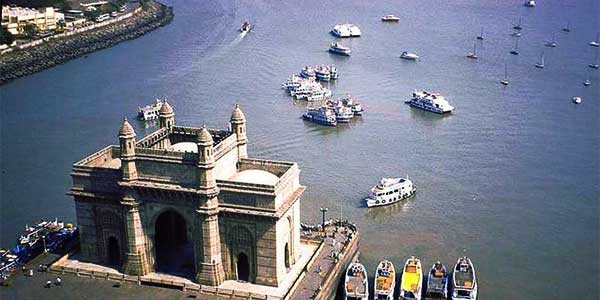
(127, 143)
(238, 126)
(166, 116)
(210, 263)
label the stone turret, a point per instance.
(127, 143)
(166, 116)
(238, 126)
(206, 161)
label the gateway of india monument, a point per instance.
(188, 201)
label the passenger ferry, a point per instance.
(432, 102)
(308, 72)
(412, 279)
(343, 114)
(150, 112)
(321, 115)
(464, 281)
(353, 104)
(390, 18)
(390, 190)
(322, 73)
(356, 284)
(385, 280)
(437, 281)
(346, 30)
(337, 48)
(293, 82)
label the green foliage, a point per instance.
(92, 14)
(29, 30)
(5, 36)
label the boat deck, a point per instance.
(463, 279)
(355, 285)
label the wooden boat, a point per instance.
(385, 280)
(356, 285)
(437, 281)
(412, 279)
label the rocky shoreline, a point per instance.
(60, 50)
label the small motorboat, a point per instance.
(577, 100)
(385, 280)
(356, 284)
(390, 18)
(596, 43)
(409, 56)
(412, 279)
(530, 3)
(464, 281)
(246, 27)
(337, 48)
(437, 281)
(587, 82)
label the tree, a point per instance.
(29, 30)
(6, 37)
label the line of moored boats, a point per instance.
(460, 284)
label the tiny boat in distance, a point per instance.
(356, 285)
(246, 27)
(567, 28)
(552, 43)
(596, 43)
(432, 102)
(530, 3)
(516, 34)
(409, 56)
(437, 281)
(473, 55)
(390, 18)
(587, 82)
(337, 48)
(464, 281)
(577, 100)
(480, 36)
(390, 190)
(541, 64)
(505, 80)
(385, 280)
(518, 26)
(412, 279)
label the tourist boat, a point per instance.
(308, 72)
(518, 26)
(356, 284)
(409, 56)
(473, 55)
(412, 279)
(353, 104)
(346, 30)
(337, 48)
(464, 281)
(596, 43)
(541, 64)
(385, 281)
(343, 114)
(552, 43)
(246, 27)
(292, 83)
(515, 50)
(432, 102)
(321, 115)
(437, 281)
(322, 73)
(505, 80)
(530, 3)
(389, 191)
(319, 94)
(150, 112)
(577, 100)
(390, 18)
(480, 36)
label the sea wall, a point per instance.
(42, 54)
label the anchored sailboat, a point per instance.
(505, 80)
(596, 43)
(567, 28)
(594, 65)
(518, 26)
(515, 50)
(480, 36)
(552, 43)
(473, 54)
(541, 63)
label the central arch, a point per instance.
(173, 249)
(243, 267)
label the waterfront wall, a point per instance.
(38, 55)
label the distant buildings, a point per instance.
(14, 19)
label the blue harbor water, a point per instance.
(510, 179)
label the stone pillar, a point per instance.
(238, 126)
(136, 262)
(127, 144)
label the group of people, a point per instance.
(42, 268)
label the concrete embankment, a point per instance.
(56, 51)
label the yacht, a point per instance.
(437, 281)
(246, 27)
(515, 50)
(505, 80)
(552, 43)
(432, 102)
(337, 48)
(321, 115)
(464, 282)
(480, 36)
(473, 54)
(596, 43)
(409, 56)
(518, 26)
(150, 112)
(322, 73)
(390, 190)
(308, 72)
(346, 30)
(516, 34)
(356, 284)
(412, 279)
(541, 64)
(594, 65)
(577, 100)
(390, 18)
(530, 3)
(385, 280)
(567, 28)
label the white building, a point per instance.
(14, 19)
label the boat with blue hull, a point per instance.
(322, 115)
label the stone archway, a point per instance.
(243, 267)
(174, 251)
(113, 251)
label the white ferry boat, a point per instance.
(353, 104)
(390, 190)
(318, 95)
(432, 102)
(150, 112)
(308, 72)
(337, 48)
(322, 73)
(346, 30)
(464, 281)
(321, 115)
(356, 283)
(293, 82)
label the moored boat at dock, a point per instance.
(464, 281)
(437, 281)
(389, 191)
(321, 115)
(432, 102)
(385, 280)
(412, 280)
(356, 284)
